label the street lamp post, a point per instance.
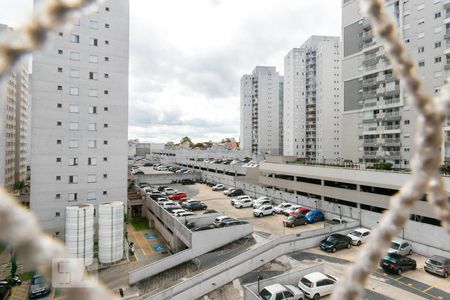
(340, 212)
(315, 201)
(259, 278)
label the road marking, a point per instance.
(52, 295)
(427, 289)
(135, 256)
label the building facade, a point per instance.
(378, 121)
(14, 109)
(312, 100)
(260, 111)
(80, 116)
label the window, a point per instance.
(74, 91)
(105, 125)
(59, 105)
(59, 88)
(92, 179)
(406, 122)
(93, 24)
(58, 142)
(421, 49)
(74, 73)
(105, 176)
(93, 42)
(106, 58)
(73, 179)
(57, 214)
(92, 161)
(58, 178)
(60, 70)
(92, 126)
(93, 75)
(75, 38)
(92, 93)
(105, 142)
(106, 25)
(92, 144)
(58, 159)
(73, 144)
(73, 161)
(421, 21)
(73, 196)
(106, 92)
(74, 55)
(60, 52)
(437, 59)
(73, 126)
(105, 193)
(93, 59)
(73, 108)
(58, 196)
(92, 109)
(105, 108)
(106, 42)
(437, 45)
(58, 123)
(92, 196)
(106, 75)
(421, 63)
(437, 15)
(106, 8)
(105, 159)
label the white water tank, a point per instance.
(79, 232)
(110, 232)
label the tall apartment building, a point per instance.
(378, 121)
(80, 116)
(260, 111)
(312, 100)
(14, 100)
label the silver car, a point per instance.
(400, 247)
(438, 265)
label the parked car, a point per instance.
(5, 290)
(300, 211)
(438, 265)
(161, 188)
(210, 211)
(281, 292)
(170, 191)
(264, 210)
(185, 214)
(211, 184)
(142, 184)
(236, 192)
(203, 227)
(38, 287)
(171, 206)
(335, 242)
(226, 192)
(176, 211)
(338, 221)
(359, 236)
(232, 222)
(239, 198)
(315, 216)
(220, 219)
(296, 220)
(259, 203)
(137, 172)
(245, 202)
(316, 285)
(161, 200)
(187, 181)
(218, 187)
(156, 196)
(194, 205)
(396, 263)
(287, 211)
(400, 247)
(281, 207)
(178, 196)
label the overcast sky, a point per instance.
(187, 57)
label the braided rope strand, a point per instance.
(49, 16)
(425, 163)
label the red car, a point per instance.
(300, 211)
(178, 196)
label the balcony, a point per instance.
(368, 95)
(392, 116)
(369, 142)
(447, 64)
(389, 142)
(370, 154)
(391, 127)
(392, 154)
(392, 101)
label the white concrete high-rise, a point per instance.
(378, 122)
(260, 111)
(312, 100)
(80, 116)
(14, 113)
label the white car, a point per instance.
(260, 202)
(170, 191)
(238, 198)
(400, 247)
(289, 210)
(218, 187)
(264, 210)
(162, 200)
(281, 207)
(316, 285)
(175, 212)
(281, 292)
(171, 205)
(226, 192)
(359, 236)
(185, 214)
(246, 202)
(220, 219)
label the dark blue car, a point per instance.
(315, 216)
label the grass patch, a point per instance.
(26, 276)
(2, 247)
(140, 223)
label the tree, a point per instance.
(20, 186)
(170, 145)
(186, 139)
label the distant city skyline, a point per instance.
(184, 81)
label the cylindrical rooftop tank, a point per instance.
(110, 232)
(79, 232)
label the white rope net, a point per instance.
(20, 228)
